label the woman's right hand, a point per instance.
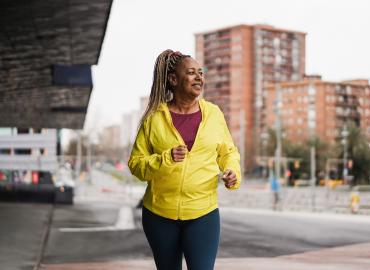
(178, 153)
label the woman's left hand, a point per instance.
(229, 178)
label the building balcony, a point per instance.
(26, 141)
(28, 162)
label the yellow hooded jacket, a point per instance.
(188, 189)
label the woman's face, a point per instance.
(188, 80)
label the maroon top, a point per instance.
(187, 125)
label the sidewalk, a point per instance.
(23, 228)
(354, 257)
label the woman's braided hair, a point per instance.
(161, 91)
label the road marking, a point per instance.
(125, 221)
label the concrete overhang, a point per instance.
(35, 36)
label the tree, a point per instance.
(358, 151)
(323, 151)
(271, 143)
(72, 147)
(302, 153)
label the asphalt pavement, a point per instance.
(102, 230)
(24, 230)
(355, 257)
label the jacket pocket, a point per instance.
(165, 202)
(198, 204)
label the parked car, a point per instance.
(39, 186)
(302, 182)
(332, 183)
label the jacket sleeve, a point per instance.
(143, 163)
(228, 154)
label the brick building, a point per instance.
(316, 107)
(240, 62)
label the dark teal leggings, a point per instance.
(169, 239)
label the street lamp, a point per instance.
(312, 134)
(79, 154)
(264, 138)
(345, 134)
(278, 107)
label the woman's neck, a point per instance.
(183, 106)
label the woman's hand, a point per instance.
(229, 178)
(178, 153)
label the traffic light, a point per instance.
(35, 178)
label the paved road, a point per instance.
(259, 233)
(103, 226)
(245, 233)
(353, 257)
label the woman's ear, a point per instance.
(172, 79)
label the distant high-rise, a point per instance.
(240, 62)
(110, 137)
(131, 120)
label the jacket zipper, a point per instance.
(182, 184)
(179, 137)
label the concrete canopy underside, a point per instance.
(34, 36)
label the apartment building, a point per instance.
(314, 107)
(28, 151)
(240, 62)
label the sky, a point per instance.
(337, 42)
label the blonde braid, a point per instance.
(161, 91)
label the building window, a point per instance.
(278, 59)
(311, 114)
(312, 91)
(236, 48)
(5, 151)
(311, 124)
(237, 57)
(22, 131)
(348, 90)
(339, 110)
(236, 38)
(22, 151)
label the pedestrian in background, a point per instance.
(275, 189)
(182, 145)
(355, 202)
